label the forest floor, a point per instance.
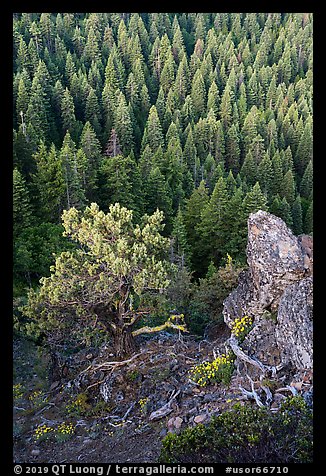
(119, 429)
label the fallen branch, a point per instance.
(108, 365)
(165, 410)
(253, 394)
(288, 388)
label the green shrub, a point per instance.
(246, 434)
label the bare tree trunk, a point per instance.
(123, 341)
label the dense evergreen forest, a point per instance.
(207, 117)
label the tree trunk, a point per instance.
(123, 341)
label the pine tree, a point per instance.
(158, 195)
(67, 112)
(153, 135)
(226, 108)
(123, 125)
(22, 211)
(304, 151)
(49, 183)
(277, 174)
(308, 220)
(265, 175)
(74, 165)
(192, 217)
(254, 200)
(232, 152)
(213, 99)
(297, 216)
(92, 111)
(198, 95)
(36, 114)
(181, 249)
(288, 187)
(249, 170)
(306, 185)
(213, 227)
(115, 177)
(285, 212)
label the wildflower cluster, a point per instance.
(78, 406)
(64, 431)
(18, 391)
(242, 326)
(143, 404)
(37, 398)
(42, 432)
(219, 370)
(178, 320)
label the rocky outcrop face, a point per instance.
(274, 255)
(276, 291)
(294, 324)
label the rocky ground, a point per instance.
(113, 422)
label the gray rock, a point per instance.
(276, 290)
(200, 418)
(274, 256)
(294, 329)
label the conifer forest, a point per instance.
(142, 143)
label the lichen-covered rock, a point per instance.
(261, 341)
(276, 290)
(241, 301)
(274, 256)
(294, 329)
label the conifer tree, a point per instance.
(198, 94)
(288, 187)
(303, 153)
(22, 211)
(213, 226)
(153, 135)
(192, 216)
(123, 125)
(297, 216)
(181, 249)
(254, 200)
(307, 182)
(49, 183)
(308, 220)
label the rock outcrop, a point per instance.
(294, 324)
(276, 290)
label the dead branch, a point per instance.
(234, 344)
(269, 396)
(288, 388)
(151, 330)
(252, 394)
(110, 365)
(165, 410)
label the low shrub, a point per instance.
(246, 434)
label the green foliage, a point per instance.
(245, 434)
(174, 100)
(219, 370)
(114, 261)
(206, 306)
